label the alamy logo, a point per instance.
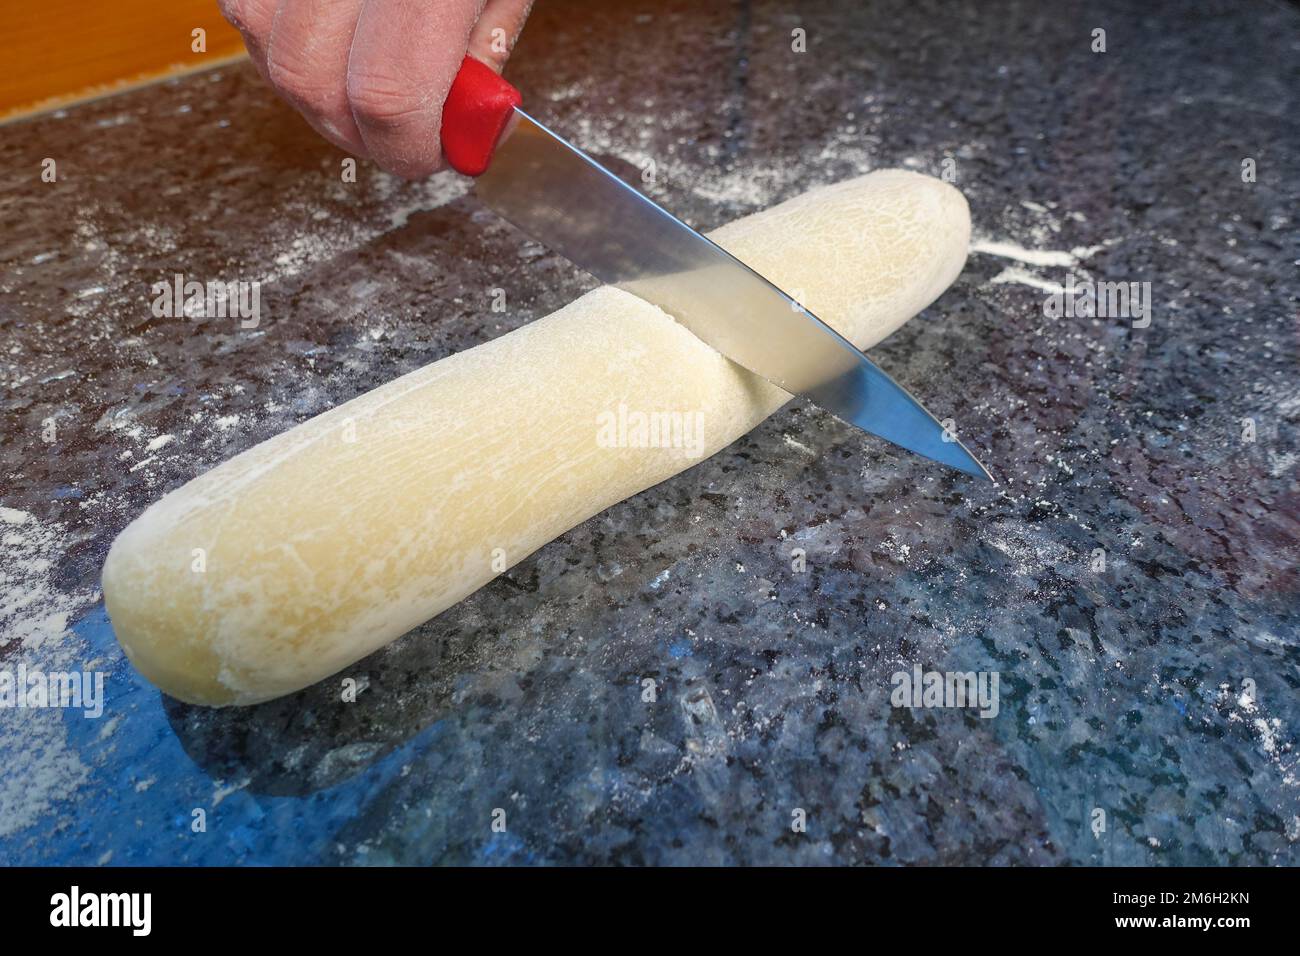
(946, 689)
(76, 690)
(1101, 300)
(75, 908)
(181, 299)
(629, 428)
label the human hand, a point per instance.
(371, 75)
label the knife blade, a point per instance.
(575, 206)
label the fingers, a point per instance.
(498, 28)
(307, 63)
(372, 75)
(253, 19)
(403, 59)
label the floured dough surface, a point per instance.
(309, 551)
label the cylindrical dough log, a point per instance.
(305, 553)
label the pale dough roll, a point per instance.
(307, 552)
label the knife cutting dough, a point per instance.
(303, 554)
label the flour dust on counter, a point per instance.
(36, 642)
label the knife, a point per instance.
(566, 200)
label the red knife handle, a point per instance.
(476, 112)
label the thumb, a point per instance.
(497, 29)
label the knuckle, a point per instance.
(298, 82)
(384, 100)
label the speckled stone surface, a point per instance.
(1160, 689)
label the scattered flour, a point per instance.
(1021, 277)
(1280, 464)
(34, 613)
(1031, 552)
(51, 770)
(34, 617)
(747, 184)
(798, 445)
(437, 190)
(1035, 257)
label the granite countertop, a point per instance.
(1158, 690)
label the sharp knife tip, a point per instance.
(979, 471)
(970, 465)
